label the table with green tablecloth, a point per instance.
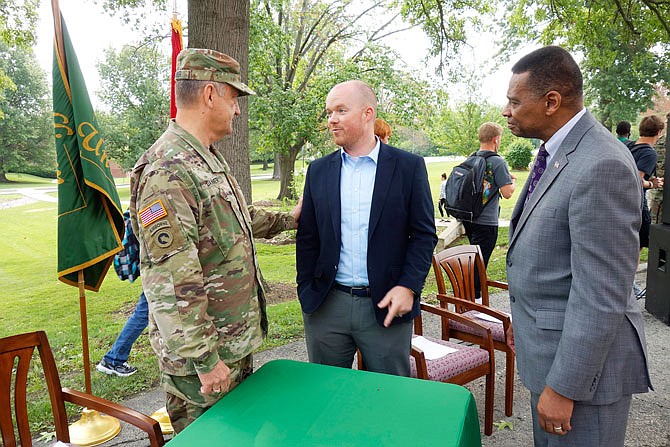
(288, 404)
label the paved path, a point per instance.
(37, 194)
(30, 195)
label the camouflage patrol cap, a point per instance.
(208, 65)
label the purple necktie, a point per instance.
(539, 167)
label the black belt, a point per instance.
(354, 291)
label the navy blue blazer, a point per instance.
(401, 235)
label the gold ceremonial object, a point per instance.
(163, 419)
(93, 428)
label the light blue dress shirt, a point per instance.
(357, 181)
(553, 143)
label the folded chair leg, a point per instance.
(509, 383)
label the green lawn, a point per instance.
(10, 197)
(264, 189)
(257, 169)
(26, 181)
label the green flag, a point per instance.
(90, 220)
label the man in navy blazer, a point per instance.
(572, 256)
(365, 240)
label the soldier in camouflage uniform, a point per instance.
(198, 260)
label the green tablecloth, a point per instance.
(288, 404)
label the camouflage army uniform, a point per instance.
(198, 261)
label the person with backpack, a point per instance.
(496, 181)
(651, 128)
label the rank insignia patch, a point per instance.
(152, 213)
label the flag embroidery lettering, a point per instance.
(152, 213)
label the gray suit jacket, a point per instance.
(571, 262)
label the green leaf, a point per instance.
(46, 436)
(501, 425)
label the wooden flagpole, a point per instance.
(84, 331)
(58, 32)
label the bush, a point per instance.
(39, 171)
(519, 154)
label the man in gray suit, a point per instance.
(572, 256)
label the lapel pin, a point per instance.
(556, 165)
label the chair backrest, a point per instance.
(459, 264)
(15, 355)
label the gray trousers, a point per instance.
(592, 425)
(343, 323)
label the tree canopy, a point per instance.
(446, 22)
(298, 49)
(625, 46)
(17, 28)
(135, 88)
(26, 135)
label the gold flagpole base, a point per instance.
(93, 428)
(161, 415)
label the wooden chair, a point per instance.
(463, 366)
(459, 264)
(21, 347)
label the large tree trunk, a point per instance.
(223, 25)
(286, 161)
(276, 172)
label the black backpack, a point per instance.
(634, 147)
(465, 186)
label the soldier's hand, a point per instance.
(297, 209)
(215, 381)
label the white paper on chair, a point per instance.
(487, 317)
(431, 350)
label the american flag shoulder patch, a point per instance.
(152, 213)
